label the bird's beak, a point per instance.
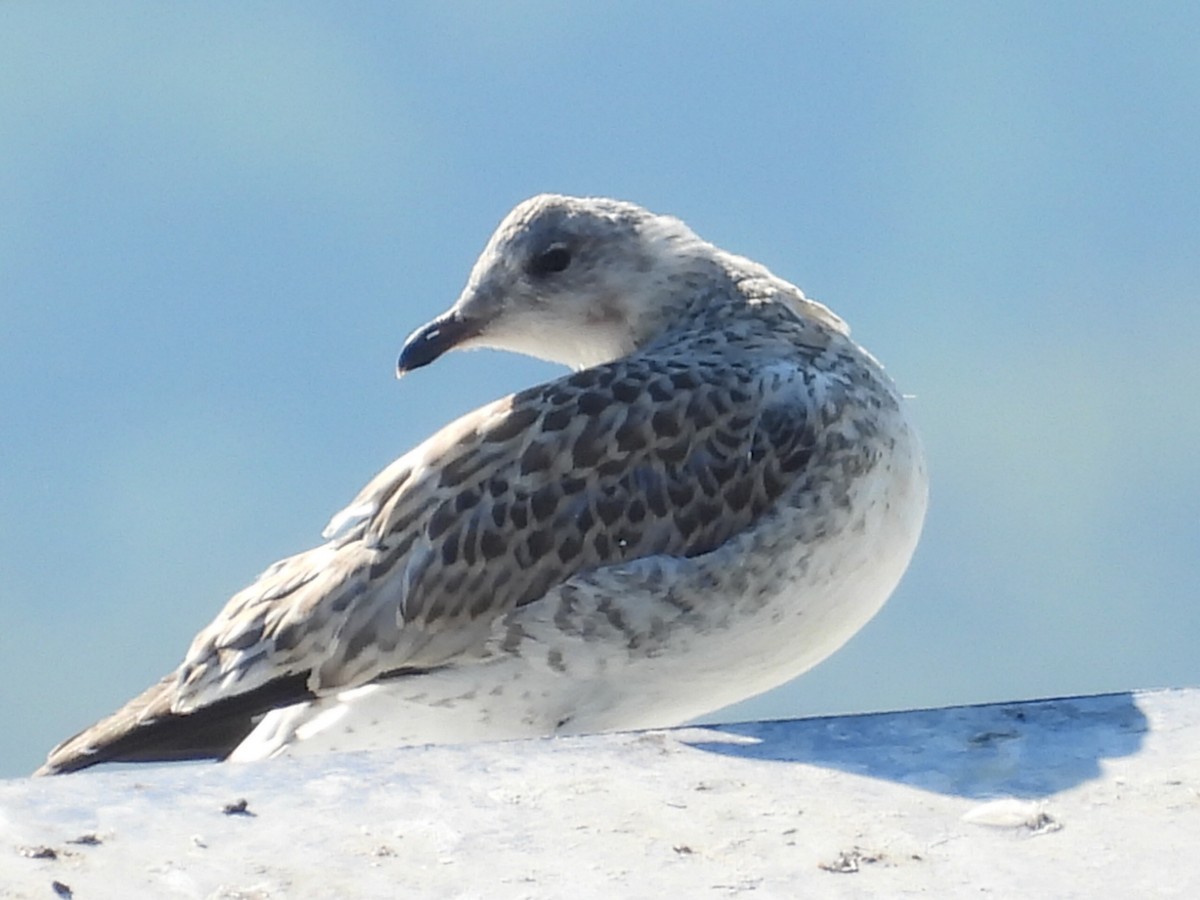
(430, 341)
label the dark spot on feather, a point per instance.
(701, 544)
(740, 423)
(379, 569)
(517, 420)
(584, 520)
(481, 605)
(796, 460)
(540, 543)
(500, 576)
(684, 381)
(457, 470)
(586, 452)
(585, 378)
(659, 391)
(592, 403)
(687, 522)
(497, 486)
(557, 419)
(727, 439)
(600, 542)
(398, 549)
(680, 493)
(456, 606)
(572, 485)
(442, 518)
(698, 414)
(724, 471)
(737, 495)
(675, 453)
(611, 467)
(467, 438)
(287, 637)
(772, 483)
(708, 482)
(536, 458)
(465, 500)
(656, 498)
(450, 587)
(403, 523)
(437, 608)
(492, 544)
(609, 509)
(245, 639)
(499, 510)
(630, 438)
(544, 502)
(626, 391)
(469, 540)
(665, 424)
(569, 548)
(520, 514)
(636, 511)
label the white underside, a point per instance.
(595, 686)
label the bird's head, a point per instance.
(579, 281)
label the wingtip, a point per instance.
(58, 763)
(66, 757)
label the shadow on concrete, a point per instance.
(1026, 749)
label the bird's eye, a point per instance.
(553, 259)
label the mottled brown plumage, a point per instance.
(716, 412)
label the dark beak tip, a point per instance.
(429, 342)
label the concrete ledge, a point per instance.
(1080, 797)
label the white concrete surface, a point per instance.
(1084, 797)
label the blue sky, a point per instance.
(221, 220)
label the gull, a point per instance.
(719, 495)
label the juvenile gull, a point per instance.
(723, 492)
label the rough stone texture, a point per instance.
(1081, 797)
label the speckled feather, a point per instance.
(735, 399)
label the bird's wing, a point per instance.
(626, 460)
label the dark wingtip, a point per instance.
(209, 733)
